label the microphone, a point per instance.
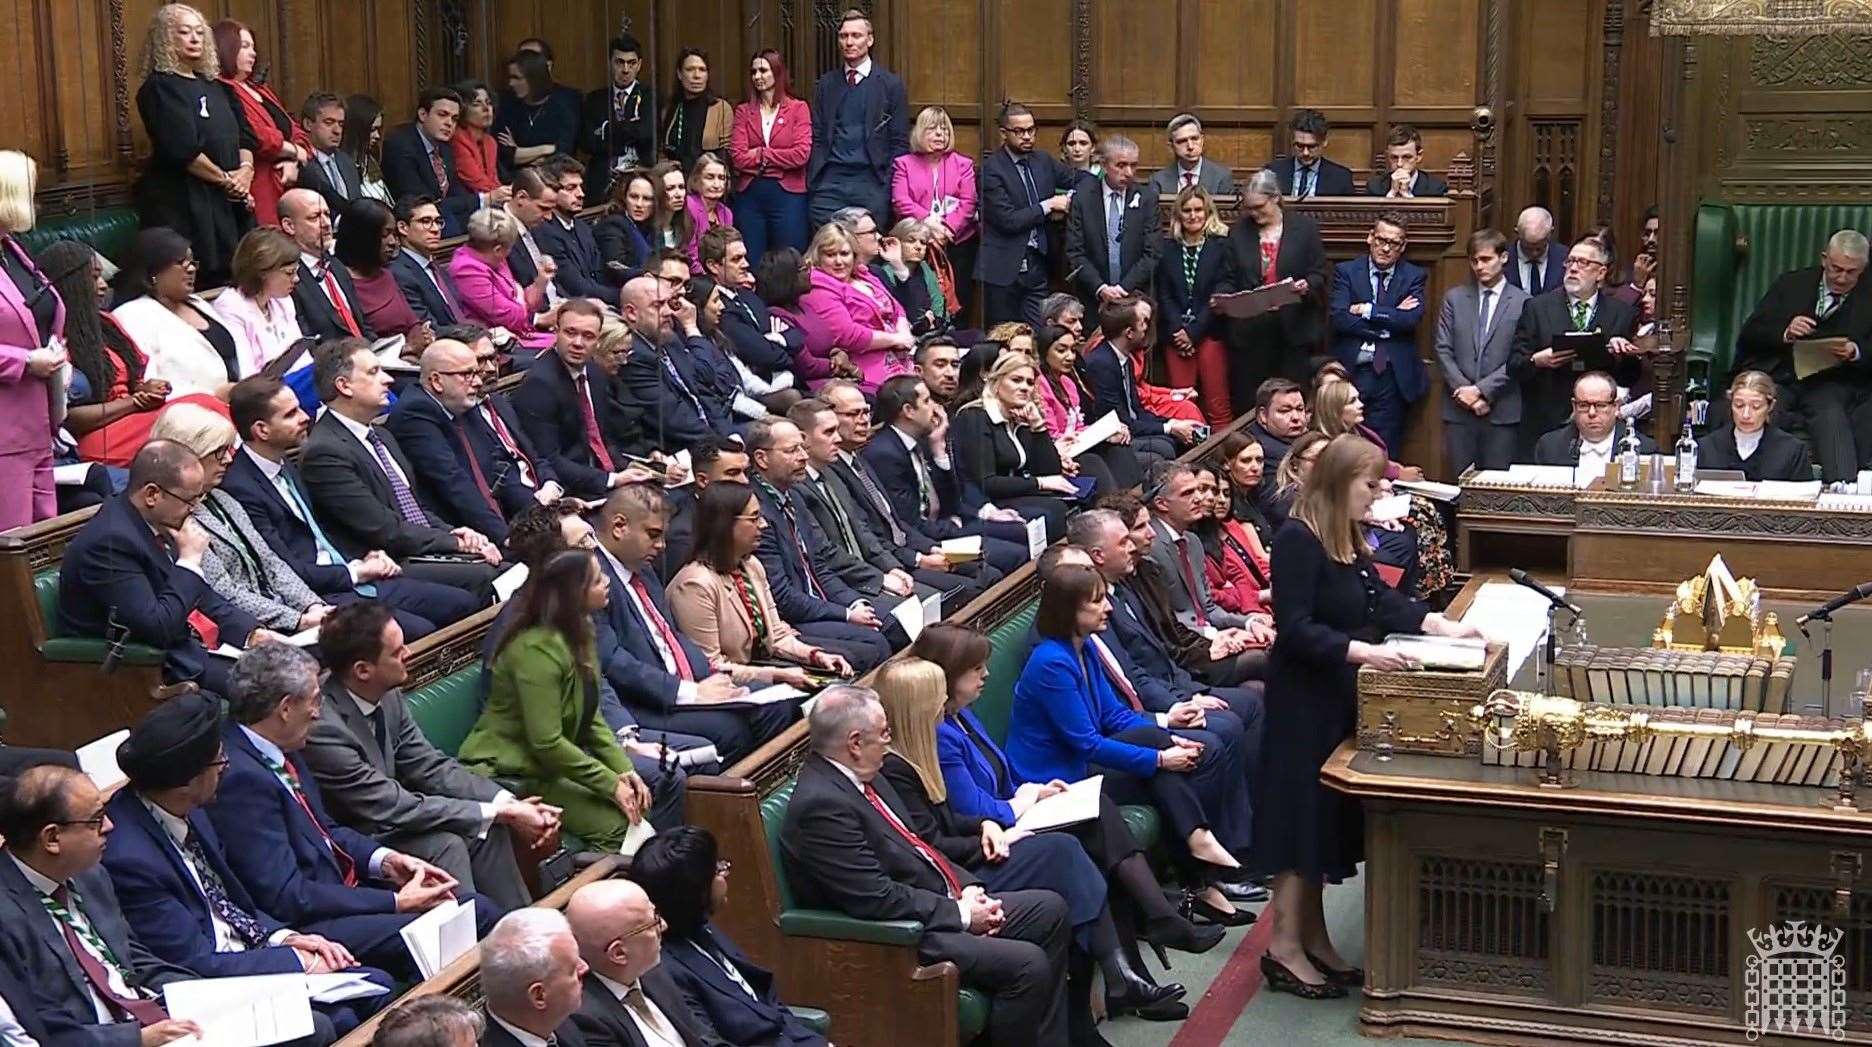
(1520, 577)
(119, 637)
(1825, 610)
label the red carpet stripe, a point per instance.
(1215, 1014)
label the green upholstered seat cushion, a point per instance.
(971, 1006)
(1727, 285)
(109, 231)
(446, 709)
(82, 649)
(813, 1018)
(1005, 660)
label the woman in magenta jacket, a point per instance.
(32, 320)
(770, 144)
(848, 315)
(935, 185)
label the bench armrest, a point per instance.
(90, 651)
(824, 923)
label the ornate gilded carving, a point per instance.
(1811, 61)
(1082, 59)
(120, 82)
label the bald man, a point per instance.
(627, 999)
(1536, 264)
(666, 378)
(326, 299)
(463, 471)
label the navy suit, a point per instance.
(1004, 546)
(117, 565)
(408, 171)
(424, 296)
(1330, 179)
(1424, 184)
(820, 618)
(1108, 373)
(453, 458)
(548, 409)
(648, 689)
(853, 145)
(1176, 298)
(1011, 263)
(312, 176)
(58, 996)
(746, 322)
(760, 1020)
(318, 317)
(1395, 377)
(674, 389)
(581, 272)
(1553, 268)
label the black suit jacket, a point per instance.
(581, 272)
(1780, 455)
(602, 1020)
(671, 392)
(992, 468)
(1088, 258)
(1552, 268)
(779, 551)
(1008, 218)
(1332, 180)
(318, 318)
(566, 1035)
(1426, 184)
(606, 137)
(903, 539)
(1562, 446)
(1175, 295)
(841, 854)
(867, 552)
(886, 120)
(1108, 372)
(548, 408)
(424, 297)
(1547, 394)
(353, 499)
(444, 480)
(714, 998)
(891, 463)
(746, 322)
(337, 195)
(1760, 346)
(407, 171)
(1302, 255)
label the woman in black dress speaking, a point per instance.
(1331, 610)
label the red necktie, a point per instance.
(1117, 675)
(683, 669)
(1189, 179)
(930, 854)
(441, 171)
(336, 294)
(145, 1012)
(1189, 575)
(593, 438)
(507, 441)
(347, 868)
(474, 466)
(851, 78)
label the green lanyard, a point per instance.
(752, 605)
(83, 929)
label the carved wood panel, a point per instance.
(1784, 118)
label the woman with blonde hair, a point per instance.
(199, 176)
(1417, 545)
(1749, 442)
(1291, 475)
(1331, 614)
(934, 184)
(847, 311)
(30, 356)
(488, 292)
(1192, 265)
(1002, 452)
(913, 693)
(1017, 335)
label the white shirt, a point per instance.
(685, 689)
(767, 118)
(1748, 443)
(525, 1038)
(995, 415)
(105, 1015)
(1593, 459)
(863, 68)
(272, 754)
(177, 829)
(319, 265)
(488, 807)
(11, 1032)
(275, 472)
(852, 777)
(362, 433)
(1489, 304)
(659, 1029)
(178, 353)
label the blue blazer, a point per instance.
(1115, 389)
(408, 172)
(444, 485)
(737, 1017)
(896, 474)
(168, 913)
(424, 299)
(1397, 348)
(786, 576)
(886, 119)
(746, 323)
(1063, 719)
(116, 562)
(546, 404)
(631, 663)
(672, 391)
(1153, 670)
(282, 860)
(575, 250)
(979, 784)
(1553, 270)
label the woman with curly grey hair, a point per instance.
(199, 177)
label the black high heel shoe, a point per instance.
(1280, 979)
(1177, 932)
(1194, 906)
(1346, 977)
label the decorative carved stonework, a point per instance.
(1760, 17)
(1811, 61)
(1082, 59)
(1624, 987)
(1807, 136)
(1605, 511)
(1614, 29)
(1556, 169)
(1554, 506)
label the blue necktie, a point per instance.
(318, 534)
(1114, 231)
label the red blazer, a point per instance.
(270, 145)
(783, 156)
(475, 162)
(1229, 576)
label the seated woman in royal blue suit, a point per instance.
(981, 784)
(678, 869)
(1068, 723)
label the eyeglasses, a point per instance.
(459, 374)
(190, 502)
(224, 455)
(427, 220)
(96, 823)
(1392, 242)
(1020, 132)
(658, 925)
(1584, 263)
(749, 517)
(1594, 405)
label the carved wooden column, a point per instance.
(1676, 214)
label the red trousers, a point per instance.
(1207, 371)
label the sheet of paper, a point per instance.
(1391, 507)
(1093, 435)
(1508, 613)
(1079, 803)
(1428, 488)
(688, 469)
(508, 582)
(340, 986)
(243, 1012)
(438, 937)
(1788, 490)
(390, 354)
(1541, 475)
(1440, 652)
(909, 614)
(1726, 488)
(304, 637)
(70, 475)
(777, 692)
(932, 608)
(1036, 538)
(963, 549)
(638, 834)
(99, 759)
(1813, 355)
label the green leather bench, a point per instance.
(88, 650)
(1740, 249)
(1005, 660)
(446, 710)
(110, 231)
(971, 1006)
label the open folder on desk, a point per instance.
(440, 936)
(1078, 804)
(1244, 305)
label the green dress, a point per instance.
(541, 729)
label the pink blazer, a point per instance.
(782, 156)
(700, 220)
(836, 315)
(915, 191)
(1064, 413)
(492, 297)
(25, 401)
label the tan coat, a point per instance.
(709, 611)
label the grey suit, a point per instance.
(244, 569)
(1469, 439)
(415, 798)
(1198, 611)
(1215, 177)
